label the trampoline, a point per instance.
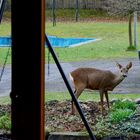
(55, 41)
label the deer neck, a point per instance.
(117, 78)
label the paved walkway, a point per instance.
(54, 82)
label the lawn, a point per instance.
(85, 96)
(113, 43)
(88, 96)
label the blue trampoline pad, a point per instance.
(69, 42)
(55, 41)
(5, 41)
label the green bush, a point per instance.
(124, 105)
(120, 115)
(5, 122)
(131, 48)
(2, 112)
(121, 111)
(122, 120)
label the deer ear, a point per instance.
(119, 65)
(128, 66)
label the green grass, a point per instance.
(113, 44)
(3, 54)
(5, 28)
(85, 96)
(5, 100)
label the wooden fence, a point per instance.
(83, 4)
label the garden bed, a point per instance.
(123, 119)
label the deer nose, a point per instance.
(124, 75)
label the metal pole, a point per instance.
(77, 10)
(48, 62)
(54, 10)
(2, 5)
(135, 30)
(70, 89)
(4, 64)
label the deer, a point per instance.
(97, 79)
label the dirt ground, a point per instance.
(54, 82)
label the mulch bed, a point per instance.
(59, 117)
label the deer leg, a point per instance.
(107, 99)
(77, 94)
(101, 99)
(72, 104)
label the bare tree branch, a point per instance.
(122, 7)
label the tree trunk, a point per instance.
(84, 4)
(130, 30)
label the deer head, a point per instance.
(123, 71)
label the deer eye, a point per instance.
(121, 70)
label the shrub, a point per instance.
(124, 105)
(121, 111)
(5, 122)
(120, 115)
(131, 48)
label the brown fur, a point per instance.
(96, 79)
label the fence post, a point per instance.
(54, 12)
(63, 4)
(77, 10)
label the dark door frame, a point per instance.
(28, 60)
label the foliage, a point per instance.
(69, 14)
(2, 112)
(120, 115)
(131, 48)
(5, 119)
(5, 122)
(124, 105)
(122, 7)
(122, 120)
(121, 111)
